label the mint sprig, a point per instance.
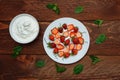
(79, 9)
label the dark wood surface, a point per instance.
(23, 68)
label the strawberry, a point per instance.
(72, 34)
(64, 26)
(62, 39)
(75, 40)
(60, 46)
(55, 50)
(66, 33)
(66, 49)
(61, 54)
(78, 47)
(67, 42)
(51, 37)
(70, 27)
(74, 51)
(66, 55)
(51, 45)
(57, 35)
(54, 31)
(56, 41)
(71, 46)
(81, 40)
(78, 34)
(60, 29)
(75, 29)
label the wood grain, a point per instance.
(110, 47)
(107, 69)
(93, 9)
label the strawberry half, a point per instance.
(81, 40)
(70, 27)
(75, 40)
(67, 42)
(55, 50)
(75, 29)
(66, 55)
(54, 31)
(51, 37)
(61, 54)
(60, 29)
(71, 46)
(62, 39)
(60, 46)
(78, 47)
(72, 34)
(51, 45)
(64, 26)
(74, 51)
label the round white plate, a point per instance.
(71, 59)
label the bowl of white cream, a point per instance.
(24, 28)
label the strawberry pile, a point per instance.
(65, 40)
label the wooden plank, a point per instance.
(93, 9)
(110, 47)
(23, 68)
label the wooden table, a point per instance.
(23, 67)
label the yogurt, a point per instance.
(24, 28)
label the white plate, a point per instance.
(71, 59)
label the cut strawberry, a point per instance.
(62, 39)
(78, 34)
(78, 47)
(60, 46)
(81, 40)
(61, 54)
(66, 50)
(75, 29)
(74, 51)
(67, 42)
(51, 45)
(57, 35)
(60, 29)
(55, 50)
(71, 46)
(72, 34)
(54, 31)
(66, 55)
(70, 27)
(51, 37)
(64, 26)
(66, 33)
(57, 41)
(75, 40)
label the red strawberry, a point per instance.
(67, 42)
(81, 40)
(62, 39)
(70, 27)
(55, 50)
(66, 55)
(78, 46)
(60, 29)
(64, 26)
(75, 40)
(74, 51)
(60, 46)
(54, 31)
(51, 37)
(52, 45)
(75, 29)
(72, 34)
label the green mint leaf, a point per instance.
(60, 69)
(16, 51)
(78, 69)
(100, 39)
(94, 59)
(98, 22)
(53, 7)
(79, 9)
(40, 63)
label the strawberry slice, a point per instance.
(75, 40)
(60, 46)
(51, 37)
(78, 47)
(54, 31)
(74, 51)
(66, 55)
(62, 39)
(72, 34)
(61, 54)
(64, 26)
(57, 41)
(81, 40)
(78, 34)
(70, 27)
(66, 33)
(66, 50)
(71, 46)
(75, 29)
(67, 42)
(55, 50)
(57, 35)
(60, 29)
(51, 45)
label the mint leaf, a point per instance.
(94, 59)
(40, 63)
(16, 51)
(53, 7)
(79, 9)
(100, 39)
(60, 69)
(98, 22)
(78, 69)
